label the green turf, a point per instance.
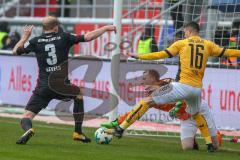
(53, 142)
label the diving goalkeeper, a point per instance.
(188, 125)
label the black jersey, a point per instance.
(52, 50)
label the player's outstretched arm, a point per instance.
(171, 51)
(150, 56)
(218, 51)
(27, 30)
(98, 32)
(232, 53)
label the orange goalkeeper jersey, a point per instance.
(181, 114)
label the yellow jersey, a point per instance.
(193, 56)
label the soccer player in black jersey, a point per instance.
(51, 49)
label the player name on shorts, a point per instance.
(49, 39)
(53, 69)
(162, 90)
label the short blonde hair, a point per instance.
(153, 73)
(49, 23)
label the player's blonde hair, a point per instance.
(49, 23)
(152, 73)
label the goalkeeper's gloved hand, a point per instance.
(173, 112)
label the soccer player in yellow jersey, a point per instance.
(193, 53)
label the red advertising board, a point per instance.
(98, 47)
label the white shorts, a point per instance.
(189, 127)
(176, 91)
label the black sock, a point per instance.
(26, 124)
(78, 114)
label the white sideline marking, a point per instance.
(228, 149)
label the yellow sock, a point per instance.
(135, 114)
(203, 127)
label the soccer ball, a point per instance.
(101, 137)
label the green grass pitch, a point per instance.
(53, 142)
